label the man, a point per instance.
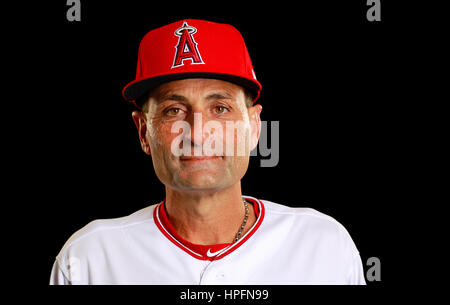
(195, 91)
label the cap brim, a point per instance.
(137, 89)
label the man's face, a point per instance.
(213, 152)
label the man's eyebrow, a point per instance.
(180, 98)
(172, 97)
(219, 96)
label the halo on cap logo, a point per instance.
(186, 47)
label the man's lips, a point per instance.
(199, 158)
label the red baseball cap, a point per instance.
(192, 49)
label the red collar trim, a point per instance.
(206, 252)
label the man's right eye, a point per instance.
(173, 111)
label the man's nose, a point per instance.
(197, 120)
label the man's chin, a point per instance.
(199, 181)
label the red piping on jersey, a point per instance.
(200, 251)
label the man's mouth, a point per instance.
(199, 158)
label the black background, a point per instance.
(330, 77)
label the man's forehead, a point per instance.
(206, 88)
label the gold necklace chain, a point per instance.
(241, 229)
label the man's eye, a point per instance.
(173, 111)
(220, 109)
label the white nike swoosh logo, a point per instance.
(209, 254)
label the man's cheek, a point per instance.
(159, 134)
(236, 138)
(214, 143)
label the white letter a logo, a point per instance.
(186, 47)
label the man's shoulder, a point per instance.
(101, 229)
(298, 212)
(303, 219)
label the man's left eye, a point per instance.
(220, 109)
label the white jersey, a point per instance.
(285, 246)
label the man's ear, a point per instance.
(255, 124)
(140, 120)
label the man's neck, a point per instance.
(208, 217)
